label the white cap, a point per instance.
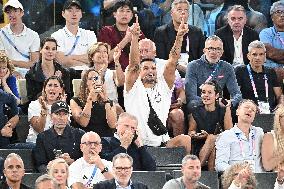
(13, 3)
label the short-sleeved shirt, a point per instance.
(26, 42)
(65, 40)
(245, 85)
(81, 171)
(34, 110)
(136, 103)
(270, 36)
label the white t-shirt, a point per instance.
(26, 42)
(136, 103)
(81, 171)
(34, 110)
(111, 88)
(65, 40)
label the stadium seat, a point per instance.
(209, 178)
(22, 128)
(265, 121)
(76, 86)
(167, 158)
(265, 180)
(30, 178)
(26, 155)
(21, 84)
(153, 179)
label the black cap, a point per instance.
(59, 106)
(69, 3)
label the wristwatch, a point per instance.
(105, 170)
(280, 181)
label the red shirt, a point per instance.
(112, 36)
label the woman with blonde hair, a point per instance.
(59, 170)
(272, 150)
(239, 176)
(8, 82)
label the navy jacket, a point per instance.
(142, 160)
(110, 184)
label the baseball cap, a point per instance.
(13, 3)
(69, 3)
(59, 106)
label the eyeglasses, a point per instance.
(92, 143)
(217, 49)
(120, 169)
(279, 12)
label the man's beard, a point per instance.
(147, 80)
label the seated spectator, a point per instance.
(235, 145)
(207, 121)
(89, 169)
(119, 34)
(98, 56)
(279, 183)
(257, 82)
(192, 41)
(46, 67)
(273, 142)
(14, 171)
(73, 41)
(210, 67)
(92, 110)
(127, 139)
(122, 171)
(39, 110)
(7, 126)
(61, 140)
(45, 181)
(236, 36)
(59, 170)
(239, 176)
(191, 173)
(273, 36)
(144, 86)
(8, 82)
(21, 44)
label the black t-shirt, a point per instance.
(245, 85)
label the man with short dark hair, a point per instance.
(122, 170)
(21, 44)
(61, 140)
(14, 171)
(127, 139)
(236, 36)
(191, 171)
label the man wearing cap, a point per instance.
(61, 140)
(20, 43)
(73, 42)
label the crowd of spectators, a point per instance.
(177, 88)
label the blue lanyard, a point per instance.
(253, 84)
(92, 177)
(213, 73)
(13, 45)
(73, 47)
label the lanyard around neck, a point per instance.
(252, 144)
(253, 84)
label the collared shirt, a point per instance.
(232, 146)
(65, 40)
(120, 187)
(27, 42)
(238, 54)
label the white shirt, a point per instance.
(238, 54)
(65, 40)
(136, 103)
(81, 171)
(27, 42)
(34, 110)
